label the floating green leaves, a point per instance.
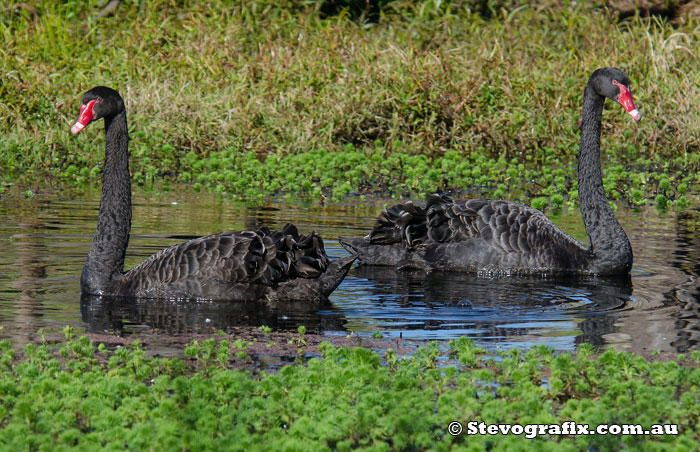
(78, 396)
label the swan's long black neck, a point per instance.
(105, 261)
(610, 246)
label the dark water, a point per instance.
(44, 240)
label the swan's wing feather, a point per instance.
(234, 257)
(449, 221)
(504, 226)
(509, 226)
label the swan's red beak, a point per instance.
(625, 99)
(86, 115)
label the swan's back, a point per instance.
(228, 265)
(477, 235)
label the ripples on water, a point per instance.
(45, 240)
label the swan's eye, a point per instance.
(620, 86)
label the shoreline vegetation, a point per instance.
(251, 99)
(96, 396)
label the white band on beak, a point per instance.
(77, 127)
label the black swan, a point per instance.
(235, 265)
(501, 237)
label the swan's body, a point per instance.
(236, 265)
(502, 237)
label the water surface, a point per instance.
(44, 241)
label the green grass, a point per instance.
(257, 98)
(75, 395)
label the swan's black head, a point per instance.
(99, 102)
(614, 84)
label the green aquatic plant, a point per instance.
(210, 352)
(241, 345)
(266, 330)
(661, 202)
(539, 203)
(300, 339)
(91, 397)
(557, 199)
(637, 197)
(681, 202)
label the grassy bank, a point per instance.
(254, 98)
(77, 395)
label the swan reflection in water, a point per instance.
(686, 322)
(413, 305)
(445, 305)
(125, 315)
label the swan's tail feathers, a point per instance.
(315, 289)
(292, 255)
(334, 274)
(402, 223)
(400, 227)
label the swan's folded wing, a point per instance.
(449, 221)
(546, 240)
(512, 227)
(234, 257)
